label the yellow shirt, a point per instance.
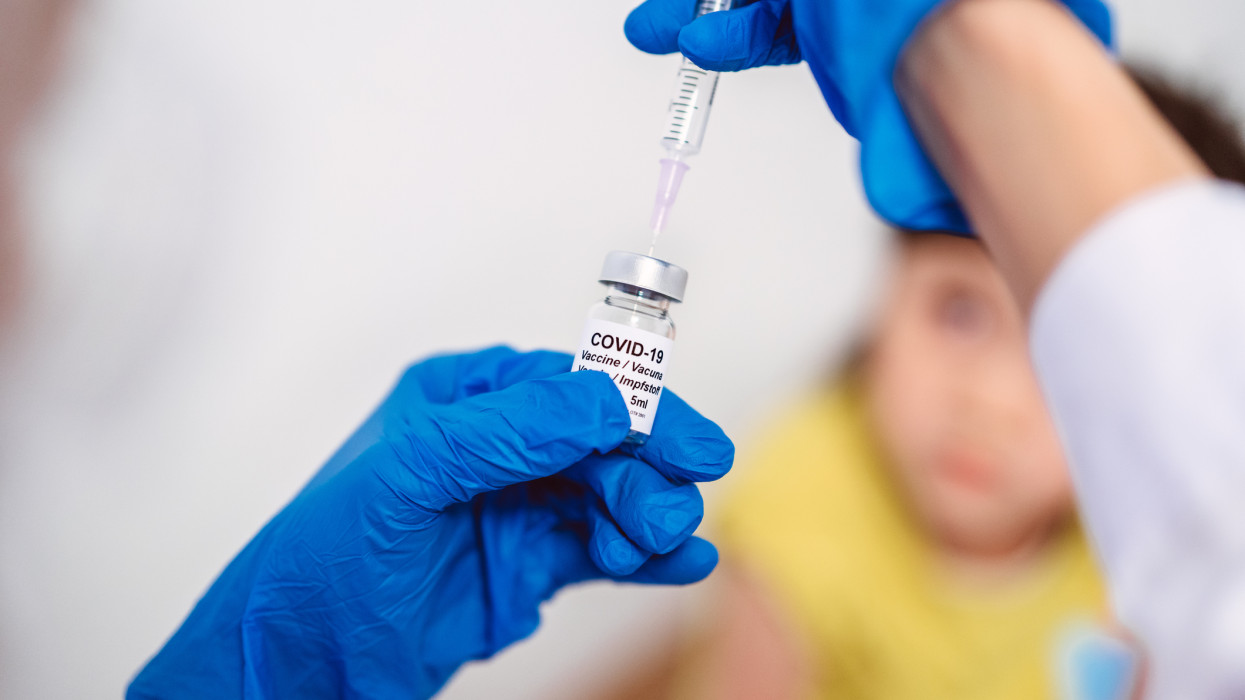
(817, 521)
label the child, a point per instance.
(909, 531)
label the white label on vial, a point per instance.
(637, 360)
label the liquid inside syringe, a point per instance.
(684, 132)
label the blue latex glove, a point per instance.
(852, 47)
(482, 485)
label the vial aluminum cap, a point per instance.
(645, 272)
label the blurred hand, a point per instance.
(482, 485)
(852, 47)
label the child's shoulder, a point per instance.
(817, 451)
(815, 480)
(813, 514)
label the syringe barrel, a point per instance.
(704, 7)
(689, 108)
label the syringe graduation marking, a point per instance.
(690, 83)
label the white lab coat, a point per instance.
(1139, 339)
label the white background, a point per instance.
(246, 216)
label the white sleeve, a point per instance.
(1139, 340)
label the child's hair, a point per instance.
(1199, 116)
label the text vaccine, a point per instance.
(630, 335)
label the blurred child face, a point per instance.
(956, 404)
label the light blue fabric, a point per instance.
(483, 484)
(1094, 664)
(852, 47)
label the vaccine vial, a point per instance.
(630, 335)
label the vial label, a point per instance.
(637, 360)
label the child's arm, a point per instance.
(747, 650)
(742, 650)
(1039, 133)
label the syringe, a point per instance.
(685, 125)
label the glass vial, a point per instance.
(630, 335)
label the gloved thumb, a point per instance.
(450, 453)
(653, 26)
(759, 34)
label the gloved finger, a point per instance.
(653, 26)
(692, 561)
(570, 563)
(651, 511)
(449, 454)
(609, 548)
(558, 558)
(684, 445)
(760, 34)
(902, 184)
(453, 377)
(444, 379)
(555, 508)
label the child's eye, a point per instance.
(964, 313)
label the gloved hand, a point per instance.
(482, 485)
(852, 47)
